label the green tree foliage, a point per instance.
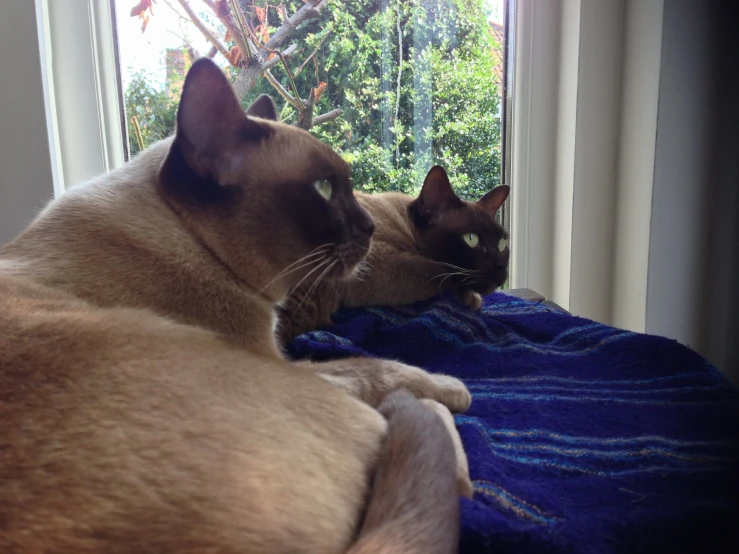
(415, 80)
(150, 107)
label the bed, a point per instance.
(581, 438)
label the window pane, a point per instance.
(399, 85)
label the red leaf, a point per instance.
(140, 8)
(319, 90)
(261, 13)
(234, 56)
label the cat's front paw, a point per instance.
(451, 392)
(470, 299)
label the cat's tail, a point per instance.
(414, 502)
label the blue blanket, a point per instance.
(581, 437)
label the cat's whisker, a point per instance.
(319, 250)
(319, 266)
(468, 283)
(445, 275)
(314, 286)
(452, 266)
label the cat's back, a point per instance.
(392, 220)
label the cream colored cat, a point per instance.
(144, 404)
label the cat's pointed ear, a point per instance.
(437, 193)
(210, 122)
(263, 107)
(494, 199)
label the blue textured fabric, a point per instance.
(581, 437)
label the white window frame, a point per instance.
(84, 91)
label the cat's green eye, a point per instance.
(324, 188)
(471, 239)
(502, 243)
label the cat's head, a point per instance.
(265, 198)
(463, 236)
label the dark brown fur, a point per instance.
(418, 252)
(144, 404)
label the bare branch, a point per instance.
(305, 116)
(286, 53)
(310, 10)
(190, 48)
(249, 75)
(255, 40)
(326, 117)
(282, 91)
(302, 65)
(202, 27)
(244, 28)
(223, 12)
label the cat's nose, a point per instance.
(369, 227)
(365, 222)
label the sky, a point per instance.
(145, 51)
(166, 29)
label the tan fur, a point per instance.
(464, 483)
(409, 510)
(144, 404)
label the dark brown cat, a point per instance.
(422, 247)
(144, 404)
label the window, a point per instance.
(395, 86)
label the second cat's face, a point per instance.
(274, 204)
(463, 237)
(469, 238)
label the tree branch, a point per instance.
(202, 27)
(283, 92)
(286, 53)
(302, 65)
(305, 116)
(328, 116)
(223, 12)
(249, 75)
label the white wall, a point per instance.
(26, 178)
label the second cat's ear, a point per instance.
(263, 107)
(210, 122)
(437, 193)
(494, 199)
